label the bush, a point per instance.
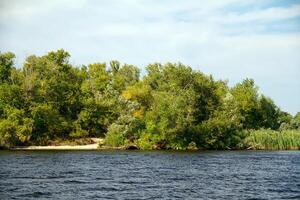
(16, 129)
(148, 141)
(115, 136)
(222, 130)
(79, 133)
(7, 133)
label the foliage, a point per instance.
(149, 141)
(295, 122)
(6, 65)
(223, 129)
(290, 122)
(47, 123)
(116, 135)
(171, 107)
(16, 128)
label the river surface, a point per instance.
(149, 175)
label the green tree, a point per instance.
(295, 122)
(51, 79)
(223, 130)
(171, 106)
(246, 95)
(16, 128)
(6, 65)
(48, 124)
(124, 76)
(99, 100)
(269, 113)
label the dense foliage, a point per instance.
(170, 107)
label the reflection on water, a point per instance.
(149, 175)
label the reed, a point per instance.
(273, 140)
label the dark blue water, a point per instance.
(149, 175)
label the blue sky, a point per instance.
(230, 39)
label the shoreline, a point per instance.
(67, 147)
(96, 141)
(93, 146)
(63, 147)
(96, 147)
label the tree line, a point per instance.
(171, 107)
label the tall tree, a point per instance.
(6, 65)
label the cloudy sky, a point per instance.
(230, 39)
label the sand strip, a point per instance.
(63, 147)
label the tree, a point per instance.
(10, 95)
(296, 121)
(269, 113)
(169, 120)
(223, 129)
(99, 100)
(48, 124)
(16, 128)
(140, 93)
(171, 106)
(125, 76)
(6, 65)
(246, 95)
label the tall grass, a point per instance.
(273, 140)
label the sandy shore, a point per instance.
(63, 147)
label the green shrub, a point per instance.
(115, 136)
(16, 129)
(79, 133)
(148, 141)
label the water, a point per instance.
(149, 175)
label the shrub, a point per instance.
(148, 141)
(115, 136)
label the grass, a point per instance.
(273, 140)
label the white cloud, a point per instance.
(270, 14)
(20, 10)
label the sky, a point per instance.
(230, 39)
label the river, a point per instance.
(149, 175)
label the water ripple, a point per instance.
(149, 175)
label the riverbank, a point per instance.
(92, 146)
(255, 140)
(64, 147)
